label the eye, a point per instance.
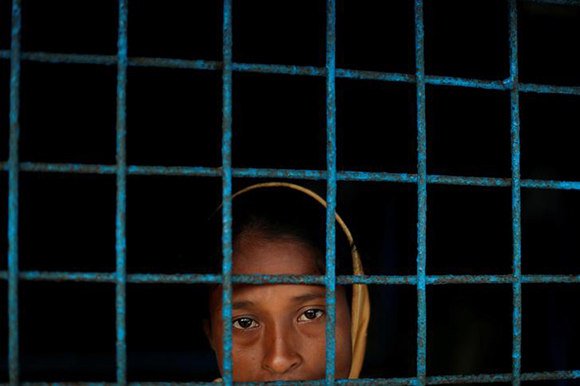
(310, 315)
(244, 324)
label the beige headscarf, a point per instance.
(360, 310)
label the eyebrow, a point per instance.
(296, 299)
(242, 304)
(308, 297)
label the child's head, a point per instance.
(278, 330)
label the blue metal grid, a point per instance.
(331, 175)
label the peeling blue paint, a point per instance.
(98, 277)
(13, 180)
(196, 171)
(516, 195)
(330, 279)
(435, 380)
(226, 173)
(421, 196)
(121, 196)
(111, 60)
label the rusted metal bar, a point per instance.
(436, 380)
(104, 277)
(516, 196)
(226, 174)
(197, 171)
(330, 276)
(421, 196)
(121, 196)
(111, 60)
(13, 199)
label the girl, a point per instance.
(278, 330)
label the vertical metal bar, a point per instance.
(121, 241)
(331, 188)
(227, 365)
(516, 195)
(421, 196)
(13, 170)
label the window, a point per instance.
(442, 130)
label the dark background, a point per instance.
(67, 330)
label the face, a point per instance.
(278, 329)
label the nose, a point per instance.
(280, 352)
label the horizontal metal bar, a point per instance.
(110, 277)
(379, 279)
(547, 184)
(492, 378)
(279, 69)
(469, 181)
(280, 173)
(377, 177)
(464, 82)
(436, 380)
(110, 60)
(175, 63)
(174, 171)
(558, 2)
(93, 277)
(116, 384)
(540, 279)
(548, 89)
(374, 75)
(551, 375)
(289, 174)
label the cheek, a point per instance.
(313, 349)
(246, 357)
(216, 335)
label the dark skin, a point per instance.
(278, 330)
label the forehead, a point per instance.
(257, 255)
